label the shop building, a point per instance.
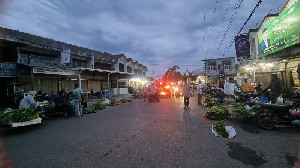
(29, 62)
(219, 69)
(274, 48)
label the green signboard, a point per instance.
(282, 32)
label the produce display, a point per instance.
(95, 107)
(123, 100)
(219, 128)
(239, 109)
(18, 115)
(219, 112)
(208, 101)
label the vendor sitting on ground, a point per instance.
(60, 105)
(28, 101)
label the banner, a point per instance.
(65, 56)
(221, 69)
(242, 47)
(8, 69)
(281, 32)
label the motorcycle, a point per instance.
(96, 95)
(270, 116)
(41, 111)
(152, 98)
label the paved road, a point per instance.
(139, 134)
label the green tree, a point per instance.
(172, 74)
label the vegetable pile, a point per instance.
(239, 109)
(208, 101)
(219, 128)
(219, 112)
(18, 115)
(94, 108)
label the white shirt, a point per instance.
(229, 88)
(199, 88)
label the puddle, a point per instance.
(245, 155)
(251, 129)
(290, 159)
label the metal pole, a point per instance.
(108, 84)
(254, 75)
(79, 80)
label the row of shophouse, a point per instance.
(274, 47)
(29, 62)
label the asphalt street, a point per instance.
(142, 134)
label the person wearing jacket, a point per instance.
(28, 101)
(276, 88)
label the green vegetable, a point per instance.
(219, 128)
(18, 115)
(95, 107)
(123, 100)
(112, 102)
(239, 109)
(255, 108)
(217, 113)
(208, 101)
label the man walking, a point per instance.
(186, 91)
(77, 92)
(199, 89)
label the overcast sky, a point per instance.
(156, 33)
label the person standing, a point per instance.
(199, 90)
(77, 92)
(28, 101)
(245, 86)
(60, 104)
(186, 91)
(221, 85)
(276, 88)
(229, 89)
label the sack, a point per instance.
(106, 102)
(279, 100)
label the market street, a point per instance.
(140, 134)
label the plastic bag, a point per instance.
(279, 100)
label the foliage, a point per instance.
(239, 109)
(172, 74)
(255, 108)
(219, 112)
(123, 100)
(219, 128)
(71, 104)
(18, 115)
(208, 101)
(95, 107)
(48, 105)
(112, 102)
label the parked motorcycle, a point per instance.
(272, 115)
(96, 95)
(152, 98)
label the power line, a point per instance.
(212, 24)
(230, 22)
(227, 48)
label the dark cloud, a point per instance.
(156, 33)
